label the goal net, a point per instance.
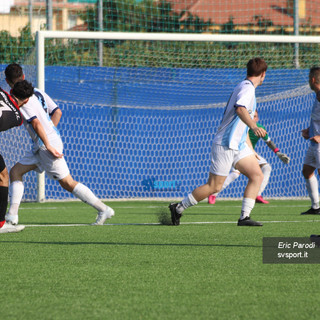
(140, 110)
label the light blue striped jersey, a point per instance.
(314, 129)
(232, 132)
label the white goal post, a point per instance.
(41, 36)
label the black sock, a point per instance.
(3, 202)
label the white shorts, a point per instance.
(55, 168)
(262, 161)
(223, 158)
(312, 157)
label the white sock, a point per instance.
(312, 187)
(187, 202)
(16, 190)
(247, 206)
(83, 193)
(266, 170)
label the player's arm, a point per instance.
(244, 115)
(38, 128)
(53, 109)
(282, 156)
(316, 139)
(56, 116)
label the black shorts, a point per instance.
(2, 163)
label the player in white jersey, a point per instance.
(312, 158)
(264, 165)
(41, 116)
(232, 148)
(10, 116)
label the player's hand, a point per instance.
(54, 152)
(315, 139)
(259, 132)
(283, 157)
(305, 133)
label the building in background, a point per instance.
(15, 14)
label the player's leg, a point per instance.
(266, 170)
(221, 163)
(249, 166)
(57, 169)
(214, 184)
(16, 190)
(312, 188)
(310, 164)
(4, 186)
(83, 193)
(233, 175)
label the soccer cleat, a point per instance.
(12, 218)
(212, 199)
(259, 199)
(248, 222)
(311, 211)
(9, 228)
(103, 216)
(316, 239)
(175, 216)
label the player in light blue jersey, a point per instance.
(264, 165)
(312, 158)
(232, 148)
(41, 116)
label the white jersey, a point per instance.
(40, 106)
(232, 132)
(314, 129)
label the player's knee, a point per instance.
(14, 174)
(257, 177)
(306, 173)
(4, 178)
(68, 183)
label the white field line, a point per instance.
(164, 206)
(156, 224)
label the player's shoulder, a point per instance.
(246, 86)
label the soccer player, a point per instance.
(41, 116)
(10, 117)
(232, 147)
(312, 158)
(264, 165)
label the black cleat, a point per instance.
(311, 211)
(175, 216)
(316, 239)
(248, 222)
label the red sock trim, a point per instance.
(2, 223)
(276, 150)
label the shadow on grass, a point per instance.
(67, 243)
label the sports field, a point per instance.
(60, 267)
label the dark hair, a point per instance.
(315, 73)
(255, 67)
(13, 72)
(22, 90)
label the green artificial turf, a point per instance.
(135, 268)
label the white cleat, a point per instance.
(9, 228)
(103, 216)
(12, 218)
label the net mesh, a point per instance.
(142, 125)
